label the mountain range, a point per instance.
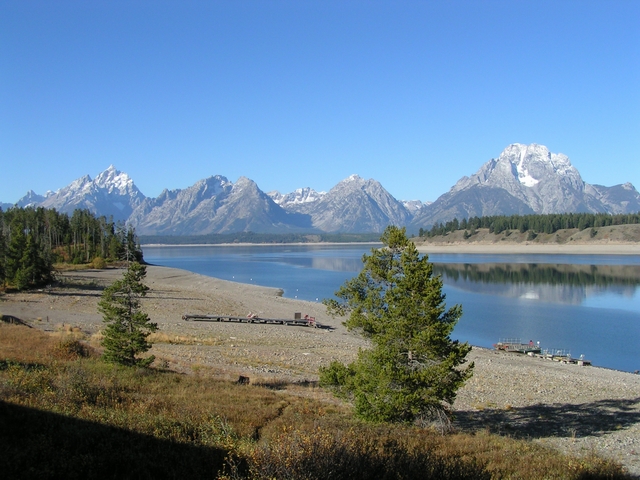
(524, 179)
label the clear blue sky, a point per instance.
(299, 93)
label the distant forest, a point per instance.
(251, 237)
(33, 240)
(549, 223)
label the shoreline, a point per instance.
(574, 409)
(247, 292)
(532, 248)
(239, 244)
(459, 247)
(278, 293)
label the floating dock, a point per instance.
(298, 320)
(515, 345)
(564, 356)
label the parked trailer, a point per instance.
(515, 345)
(305, 321)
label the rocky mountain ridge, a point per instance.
(213, 205)
(111, 193)
(524, 179)
(527, 179)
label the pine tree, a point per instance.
(35, 265)
(413, 369)
(125, 336)
(15, 252)
(3, 250)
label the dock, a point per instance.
(515, 345)
(564, 356)
(298, 320)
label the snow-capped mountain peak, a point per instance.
(113, 180)
(352, 178)
(414, 206)
(111, 193)
(523, 179)
(297, 197)
(526, 179)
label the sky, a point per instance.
(291, 94)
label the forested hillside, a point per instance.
(33, 240)
(549, 223)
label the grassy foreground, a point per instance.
(64, 413)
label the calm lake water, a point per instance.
(584, 304)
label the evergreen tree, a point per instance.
(413, 368)
(125, 336)
(35, 265)
(15, 252)
(3, 250)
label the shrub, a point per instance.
(71, 349)
(99, 263)
(353, 454)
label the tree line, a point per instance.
(32, 240)
(548, 223)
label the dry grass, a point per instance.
(174, 339)
(65, 331)
(58, 400)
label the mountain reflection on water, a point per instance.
(334, 264)
(558, 283)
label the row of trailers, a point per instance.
(298, 319)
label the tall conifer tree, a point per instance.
(413, 370)
(127, 325)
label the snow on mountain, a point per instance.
(545, 181)
(414, 206)
(32, 199)
(298, 196)
(526, 179)
(353, 205)
(112, 193)
(301, 200)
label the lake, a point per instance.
(584, 304)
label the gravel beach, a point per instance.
(572, 408)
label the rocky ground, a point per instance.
(576, 409)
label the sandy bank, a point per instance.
(550, 249)
(257, 244)
(463, 247)
(577, 409)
